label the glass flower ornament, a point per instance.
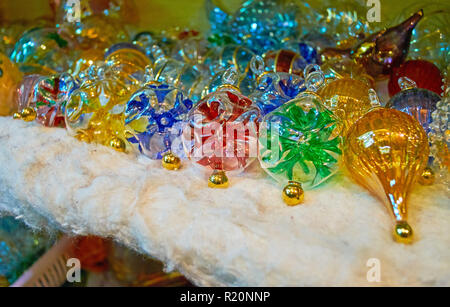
(221, 131)
(425, 74)
(154, 118)
(95, 112)
(10, 77)
(298, 145)
(349, 99)
(47, 98)
(43, 51)
(417, 102)
(274, 88)
(386, 151)
(128, 62)
(382, 51)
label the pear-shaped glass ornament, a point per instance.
(386, 151)
(154, 119)
(95, 111)
(221, 131)
(298, 144)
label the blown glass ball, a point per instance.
(154, 118)
(425, 74)
(221, 131)
(297, 142)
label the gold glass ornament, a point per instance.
(10, 77)
(128, 62)
(349, 99)
(170, 161)
(293, 194)
(386, 152)
(218, 179)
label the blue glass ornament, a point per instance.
(417, 102)
(154, 118)
(275, 89)
(264, 25)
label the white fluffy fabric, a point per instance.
(240, 236)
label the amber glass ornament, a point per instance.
(285, 61)
(348, 98)
(386, 152)
(425, 74)
(10, 77)
(85, 59)
(95, 111)
(128, 62)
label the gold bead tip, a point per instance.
(427, 177)
(403, 233)
(28, 114)
(293, 194)
(218, 179)
(171, 162)
(117, 144)
(17, 116)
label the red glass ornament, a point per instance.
(222, 130)
(425, 74)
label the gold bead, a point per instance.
(427, 177)
(28, 114)
(218, 179)
(403, 233)
(17, 115)
(118, 144)
(170, 161)
(293, 194)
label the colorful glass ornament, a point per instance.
(264, 25)
(10, 77)
(285, 61)
(95, 111)
(275, 89)
(85, 59)
(154, 120)
(48, 98)
(381, 51)
(129, 63)
(43, 51)
(221, 131)
(425, 74)
(417, 102)
(349, 99)
(298, 145)
(386, 152)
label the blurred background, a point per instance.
(162, 14)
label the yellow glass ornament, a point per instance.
(10, 76)
(386, 152)
(95, 112)
(129, 64)
(348, 99)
